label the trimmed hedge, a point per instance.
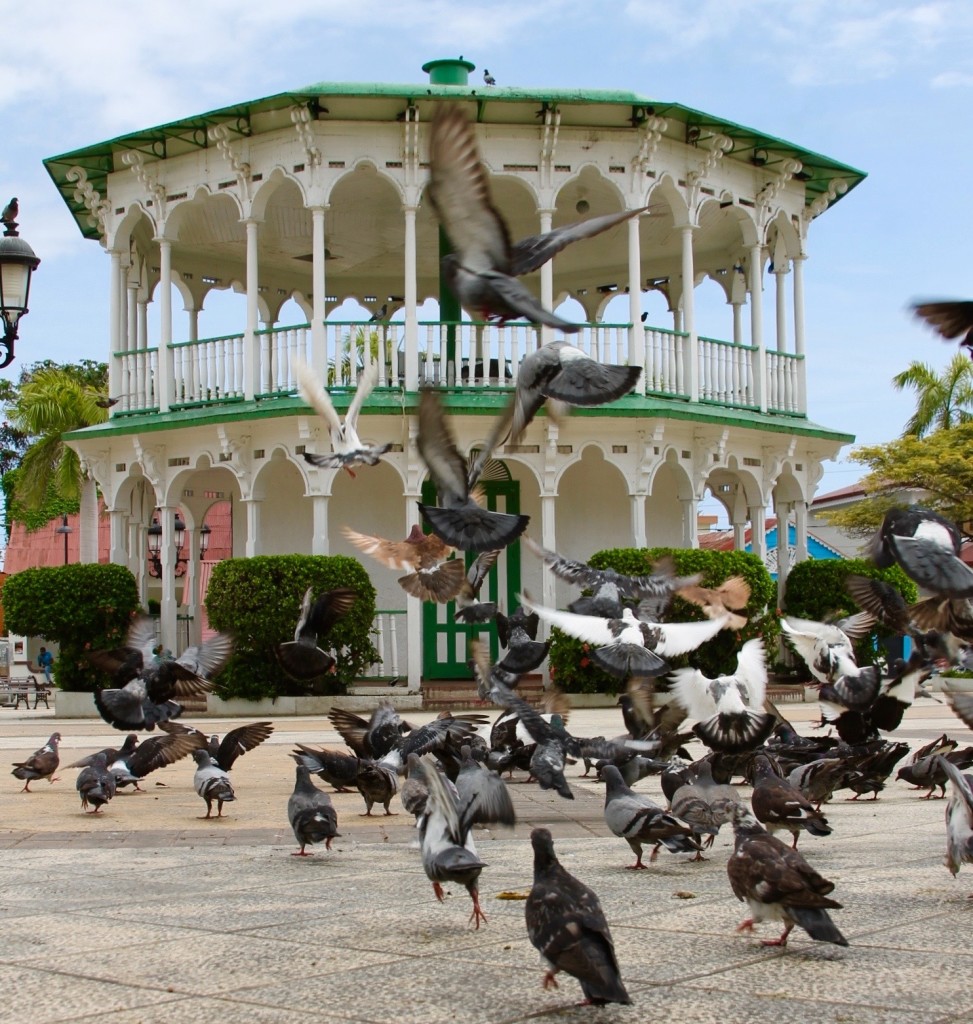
(257, 601)
(573, 671)
(80, 607)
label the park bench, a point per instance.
(17, 689)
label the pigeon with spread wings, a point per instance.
(302, 658)
(347, 448)
(483, 268)
(951, 318)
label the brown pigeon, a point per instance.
(42, 764)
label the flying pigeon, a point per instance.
(962, 704)
(42, 764)
(469, 608)
(302, 658)
(927, 547)
(728, 708)
(952, 318)
(311, 814)
(636, 819)
(626, 646)
(373, 738)
(432, 576)
(827, 647)
(488, 79)
(567, 926)
(145, 683)
(459, 520)
(778, 884)
(517, 632)
(779, 804)
(482, 270)
(959, 818)
(96, 784)
(347, 449)
(134, 760)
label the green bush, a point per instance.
(573, 671)
(257, 601)
(816, 590)
(79, 607)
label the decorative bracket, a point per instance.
(154, 191)
(301, 118)
(651, 132)
(552, 126)
(837, 187)
(773, 188)
(85, 192)
(221, 135)
(720, 145)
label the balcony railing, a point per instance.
(465, 355)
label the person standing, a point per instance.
(45, 661)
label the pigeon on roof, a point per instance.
(347, 448)
(42, 764)
(302, 658)
(778, 884)
(483, 268)
(567, 926)
(311, 813)
(488, 79)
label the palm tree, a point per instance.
(942, 400)
(52, 401)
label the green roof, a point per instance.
(364, 101)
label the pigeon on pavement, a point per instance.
(779, 804)
(96, 784)
(778, 884)
(567, 926)
(42, 764)
(336, 767)
(302, 658)
(347, 448)
(311, 814)
(211, 782)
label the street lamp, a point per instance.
(66, 530)
(155, 545)
(17, 263)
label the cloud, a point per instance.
(952, 80)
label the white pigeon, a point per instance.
(347, 447)
(626, 646)
(827, 647)
(729, 708)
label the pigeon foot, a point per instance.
(782, 941)
(699, 856)
(637, 866)
(301, 853)
(745, 926)
(477, 916)
(549, 981)
(438, 890)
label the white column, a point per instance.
(737, 323)
(164, 382)
(142, 330)
(118, 538)
(193, 324)
(320, 541)
(800, 531)
(780, 305)
(758, 531)
(690, 522)
(250, 354)
(319, 342)
(757, 326)
(115, 376)
(739, 536)
(636, 333)
(547, 277)
(410, 294)
(132, 307)
(190, 583)
(637, 507)
(252, 544)
(688, 312)
(413, 609)
(798, 285)
(167, 556)
(782, 511)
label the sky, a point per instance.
(881, 85)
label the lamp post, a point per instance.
(17, 263)
(66, 531)
(155, 545)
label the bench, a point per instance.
(17, 689)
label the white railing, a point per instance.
(389, 632)
(464, 355)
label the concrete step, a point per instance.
(461, 695)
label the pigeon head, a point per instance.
(744, 822)
(612, 778)
(543, 844)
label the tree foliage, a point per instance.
(80, 607)
(943, 400)
(257, 600)
(940, 466)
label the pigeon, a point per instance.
(96, 784)
(145, 682)
(311, 814)
(469, 608)
(347, 449)
(779, 804)
(111, 753)
(336, 767)
(460, 521)
(927, 772)
(705, 805)
(374, 738)
(818, 780)
(625, 646)
(134, 760)
(567, 926)
(302, 658)
(927, 547)
(962, 704)
(42, 764)
(414, 793)
(728, 708)
(778, 884)
(636, 819)
(211, 782)
(488, 79)
(959, 817)
(517, 632)
(482, 270)
(379, 315)
(378, 781)
(827, 647)
(433, 576)
(872, 769)
(952, 318)
(10, 213)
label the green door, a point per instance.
(445, 642)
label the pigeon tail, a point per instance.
(574, 384)
(441, 584)
(471, 528)
(736, 733)
(302, 661)
(818, 924)
(485, 611)
(623, 660)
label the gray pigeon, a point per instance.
(780, 805)
(636, 819)
(469, 607)
(334, 766)
(302, 658)
(826, 647)
(567, 926)
(482, 270)
(311, 814)
(96, 784)
(211, 783)
(959, 817)
(42, 764)
(927, 547)
(704, 804)
(488, 79)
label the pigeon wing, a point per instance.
(683, 637)
(316, 395)
(951, 318)
(447, 467)
(591, 628)
(240, 740)
(530, 253)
